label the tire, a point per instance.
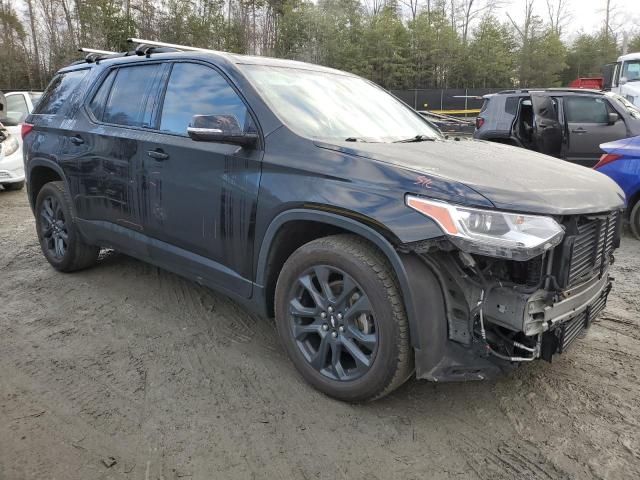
(13, 186)
(58, 234)
(634, 220)
(360, 350)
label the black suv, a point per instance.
(314, 196)
(566, 123)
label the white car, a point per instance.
(17, 105)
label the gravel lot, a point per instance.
(130, 364)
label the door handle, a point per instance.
(76, 140)
(158, 154)
(579, 131)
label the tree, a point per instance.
(587, 54)
(386, 50)
(634, 43)
(492, 55)
(438, 51)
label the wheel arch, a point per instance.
(635, 198)
(271, 257)
(41, 172)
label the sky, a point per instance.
(585, 15)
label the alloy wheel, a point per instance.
(53, 227)
(333, 323)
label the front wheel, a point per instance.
(60, 240)
(634, 220)
(341, 318)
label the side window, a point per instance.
(99, 100)
(511, 105)
(195, 89)
(58, 91)
(616, 75)
(586, 110)
(132, 97)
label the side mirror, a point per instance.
(622, 80)
(613, 118)
(221, 129)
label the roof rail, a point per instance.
(153, 43)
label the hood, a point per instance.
(631, 89)
(509, 177)
(624, 146)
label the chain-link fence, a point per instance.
(449, 100)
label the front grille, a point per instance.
(570, 330)
(559, 339)
(587, 248)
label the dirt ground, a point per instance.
(130, 364)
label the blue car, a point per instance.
(621, 162)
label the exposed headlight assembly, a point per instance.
(490, 232)
(9, 146)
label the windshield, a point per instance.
(631, 70)
(630, 107)
(331, 106)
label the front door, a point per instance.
(547, 130)
(589, 126)
(199, 198)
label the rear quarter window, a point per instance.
(511, 105)
(59, 91)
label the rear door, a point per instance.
(547, 130)
(588, 124)
(121, 110)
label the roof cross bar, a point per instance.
(153, 43)
(93, 50)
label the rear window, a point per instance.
(132, 96)
(58, 91)
(100, 98)
(485, 104)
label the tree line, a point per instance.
(398, 44)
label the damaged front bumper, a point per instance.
(550, 321)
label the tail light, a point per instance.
(26, 129)
(479, 122)
(606, 159)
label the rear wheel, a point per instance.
(13, 186)
(59, 237)
(634, 220)
(341, 319)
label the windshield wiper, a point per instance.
(417, 138)
(356, 139)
